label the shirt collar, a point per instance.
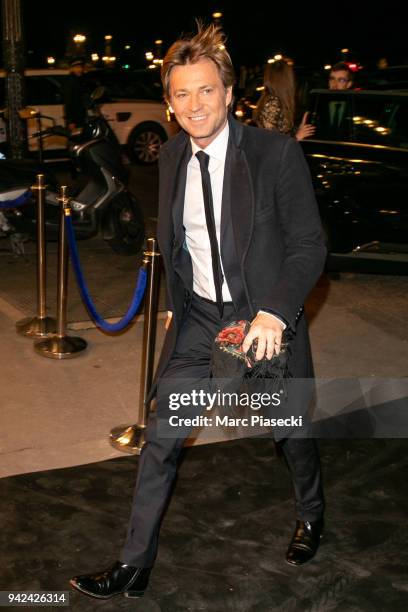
(217, 149)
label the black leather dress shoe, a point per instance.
(305, 542)
(116, 580)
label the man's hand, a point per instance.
(268, 331)
(168, 320)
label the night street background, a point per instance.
(310, 32)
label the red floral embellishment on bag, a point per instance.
(233, 334)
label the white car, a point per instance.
(142, 125)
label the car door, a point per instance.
(380, 136)
(333, 167)
(360, 173)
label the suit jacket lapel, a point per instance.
(237, 196)
(173, 172)
(179, 191)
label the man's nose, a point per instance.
(195, 102)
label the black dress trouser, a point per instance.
(158, 460)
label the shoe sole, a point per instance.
(130, 594)
(133, 594)
(298, 564)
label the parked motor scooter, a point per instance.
(101, 202)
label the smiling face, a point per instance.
(199, 100)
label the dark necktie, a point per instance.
(204, 159)
(338, 107)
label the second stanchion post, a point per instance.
(131, 439)
(62, 346)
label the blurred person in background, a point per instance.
(341, 77)
(382, 63)
(75, 97)
(276, 107)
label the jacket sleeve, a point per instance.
(161, 164)
(302, 234)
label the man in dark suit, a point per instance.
(74, 96)
(240, 237)
(334, 116)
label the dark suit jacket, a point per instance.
(74, 98)
(269, 222)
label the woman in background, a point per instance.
(276, 107)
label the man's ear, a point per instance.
(229, 96)
(167, 101)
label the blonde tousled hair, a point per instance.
(208, 43)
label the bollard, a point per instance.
(132, 438)
(61, 346)
(40, 326)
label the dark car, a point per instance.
(391, 78)
(359, 163)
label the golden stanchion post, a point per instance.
(40, 326)
(62, 346)
(132, 438)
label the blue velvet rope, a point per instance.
(100, 322)
(17, 202)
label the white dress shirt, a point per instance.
(197, 238)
